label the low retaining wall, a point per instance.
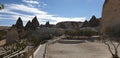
(39, 52)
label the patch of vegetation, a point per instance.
(73, 33)
(2, 34)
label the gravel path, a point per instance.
(77, 49)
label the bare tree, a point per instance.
(112, 42)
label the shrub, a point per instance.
(73, 33)
(48, 33)
(43, 34)
(88, 32)
(2, 34)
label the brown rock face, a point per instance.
(35, 22)
(19, 23)
(111, 14)
(94, 22)
(69, 25)
(85, 24)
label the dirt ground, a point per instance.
(77, 49)
(2, 42)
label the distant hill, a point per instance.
(69, 25)
(3, 27)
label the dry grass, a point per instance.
(3, 27)
(2, 42)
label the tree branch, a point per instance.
(110, 49)
(108, 46)
(118, 44)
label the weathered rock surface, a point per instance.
(111, 14)
(69, 25)
(35, 22)
(19, 23)
(94, 22)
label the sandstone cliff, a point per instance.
(111, 14)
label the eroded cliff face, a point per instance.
(111, 14)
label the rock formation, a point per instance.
(19, 23)
(29, 25)
(94, 22)
(35, 22)
(111, 15)
(69, 25)
(32, 25)
(47, 24)
(85, 24)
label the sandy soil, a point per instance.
(77, 49)
(2, 42)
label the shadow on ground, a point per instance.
(71, 41)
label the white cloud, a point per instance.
(60, 19)
(26, 9)
(35, 3)
(42, 4)
(41, 15)
(8, 11)
(31, 1)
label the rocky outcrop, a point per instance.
(19, 23)
(32, 25)
(94, 22)
(85, 24)
(69, 25)
(35, 22)
(111, 15)
(29, 25)
(47, 24)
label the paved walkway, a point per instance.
(77, 49)
(39, 53)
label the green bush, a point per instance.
(48, 33)
(2, 34)
(80, 32)
(88, 33)
(34, 39)
(71, 33)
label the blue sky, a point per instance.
(49, 10)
